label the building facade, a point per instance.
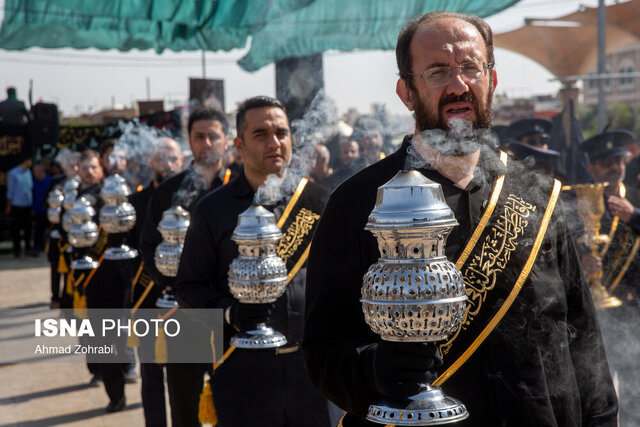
(624, 90)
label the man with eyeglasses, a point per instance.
(619, 263)
(529, 351)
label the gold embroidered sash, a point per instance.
(625, 267)
(141, 285)
(614, 223)
(485, 268)
(298, 222)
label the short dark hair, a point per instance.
(403, 47)
(105, 145)
(88, 155)
(250, 104)
(208, 113)
(11, 91)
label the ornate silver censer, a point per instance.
(258, 275)
(117, 217)
(70, 191)
(413, 293)
(173, 228)
(54, 200)
(83, 234)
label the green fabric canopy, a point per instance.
(141, 24)
(347, 25)
(278, 28)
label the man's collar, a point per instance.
(488, 162)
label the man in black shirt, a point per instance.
(208, 129)
(618, 262)
(266, 387)
(529, 351)
(165, 161)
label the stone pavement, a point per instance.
(50, 393)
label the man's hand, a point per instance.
(591, 264)
(400, 368)
(621, 208)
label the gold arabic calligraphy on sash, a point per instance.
(296, 232)
(481, 272)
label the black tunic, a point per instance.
(209, 250)
(161, 200)
(273, 385)
(544, 364)
(619, 325)
(140, 201)
(184, 380)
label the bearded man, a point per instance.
(529, 351)
(208, 136)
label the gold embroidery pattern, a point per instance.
(77, 134)
(617, 259)
(481, 273)
(101, 243)
(11, 145)
(296, 232)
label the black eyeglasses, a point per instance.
(441, 76)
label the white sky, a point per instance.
(88, 80)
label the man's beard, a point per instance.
(208, 158)
(427, 119)
(613, 177)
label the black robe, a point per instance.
(273, 385)
(140, 201)
(162, 199)
(209, 250)
(544, 364)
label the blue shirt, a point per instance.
(40, 193)
(20, 187)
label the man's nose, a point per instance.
(208, 141)
(273, 141)
(457, 84)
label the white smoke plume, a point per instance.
(67, 160)
(314, 128)
(138, 140)
(460, 139)
(194, 185)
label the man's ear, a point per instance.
(495, 79)
(237, 142)
(405, 94)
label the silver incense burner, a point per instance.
(173, 228)
(83, 234)
(257, 275)
(117, 217)
(413, 293)
(54, 201)
(70, 192)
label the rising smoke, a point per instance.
(314, 128)
(68, 160)
(196, 182)
(138, 141)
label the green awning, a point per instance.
(278, 28)
(348, 25)
(141, 24)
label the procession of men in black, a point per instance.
(554, 374)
